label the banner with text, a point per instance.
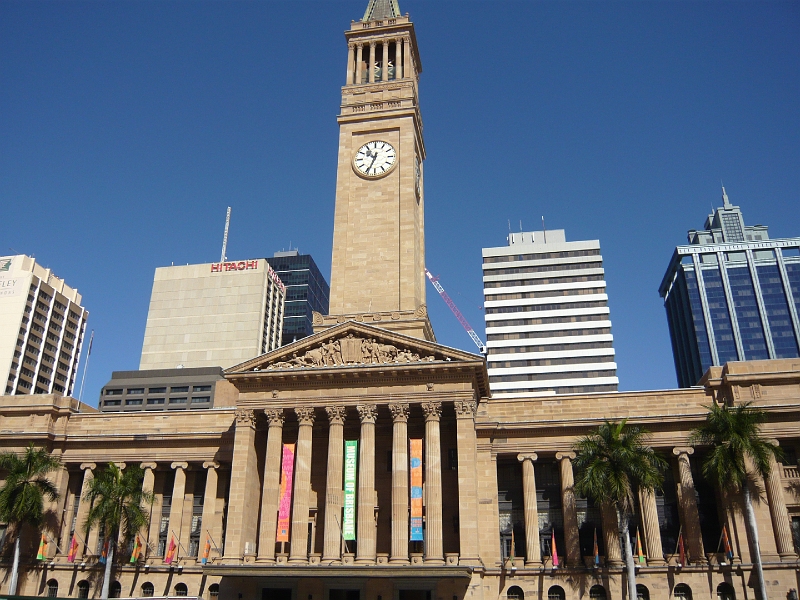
(350, 464)
(285, 506)
(416, 490)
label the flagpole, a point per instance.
(85, 367)
(216, 547)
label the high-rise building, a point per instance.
(731, 294)
(306, 292)
(548, 328)
(212, 315)
(41, 328)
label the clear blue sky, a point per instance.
(126, 128)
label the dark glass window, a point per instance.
(148, 590)
(668, 516)
(512, 515)
(780, 321)
(793, 273)
(83, 589)
(548, 500)
(720, 318)
(52, 588)
(744, 300)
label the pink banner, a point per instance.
(285, 507)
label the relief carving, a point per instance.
(399, 411)
(367, 412)
(245, 417)
(432, 410)
(305, 415)
(336, 414)
(465, 408)
(275, 416)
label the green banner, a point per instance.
(350, 463)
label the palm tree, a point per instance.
(738, 454)
(117, 504)
(23, 493)
(610, 464)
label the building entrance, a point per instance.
(344, 595)
(415, 595)
(276, 594)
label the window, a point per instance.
(52, 589)
(115, 589)
(112, 402)
(137, 402)
(158, 390)
(183, 389)
(177, 400)
(181, 589)
(213, 590)
(598, 592)
(452, 456)
(725, 592)
(148, 590)
(114, 392)
(642, 593)
(83, 589)
(682, 591)
(136, 390)
(155, 400)
(202, 388)
(515, 593)
(556, 593)
(201, 400)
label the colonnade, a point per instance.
(367, 53)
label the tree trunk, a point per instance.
(107, 576)
(630, 567)
(755, 548)
(12, 588)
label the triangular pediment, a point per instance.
(352, 344)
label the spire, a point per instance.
(381, 9)
(725, 202)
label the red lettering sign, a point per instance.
(242, 265)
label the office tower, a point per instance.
(548, 329)
(731, 294)
(212, 315)
(41, 328)
(306, 292)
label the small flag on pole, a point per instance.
(42, 555)
(206, 550)
(639, 547)
(73, 549)
(726, 543)
(596, 550)
(554, 550)
(171, 551)
(104, 555)
(137, 550)
(681, 550)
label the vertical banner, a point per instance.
(285, 506)
(416, 490)
(350, 462)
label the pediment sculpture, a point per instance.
(350, 350)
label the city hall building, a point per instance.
(369, 462)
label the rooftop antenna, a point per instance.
(544, 231)
(225, 236)
(520, 225)
(725, 202)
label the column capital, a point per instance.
(90, 466)
(432, 410)
(683, 450)
(276, 416)
(179, 465)
(245, 417)
(531, 456)
(367, 412)
(399, 412)
(351, 45)
(373, 43)
(305, 415)
(336, 414)
(148, 465)
(565, 455)
(120, 465)
(211, 464)
(465, 408)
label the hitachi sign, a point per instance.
(246, 265)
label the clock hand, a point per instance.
(374, 158)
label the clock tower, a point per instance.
(378, 265)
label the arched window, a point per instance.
(642, 593)
(556, 592)
(52, 589)
(148, 590)
(181, 590)
(515, 593)
(597, 592)
(115, 589)
(682, 592)
(725, 592)
(83, 589)
(213, 590)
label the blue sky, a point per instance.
(127, 128)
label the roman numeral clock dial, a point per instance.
(375, 159)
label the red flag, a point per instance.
(73, 549)
(553, 548)
(681, 550)
(726, 542)
(171, 551)
(207, 549)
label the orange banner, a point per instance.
(416, 490)
(285, 506)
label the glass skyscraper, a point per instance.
(731, 294)
(306, 291)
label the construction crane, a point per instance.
(456, 312)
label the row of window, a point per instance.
(540, 307)
(547, 294)
(540, 256)
(681, 591)
(550, 348)
(546, 376)
(547, 321)
(158, 401)
(547, 362)
(115, 589)
(546, 268)
(178, 389)
(525, 335)
(542, 281)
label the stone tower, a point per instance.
(378, 260)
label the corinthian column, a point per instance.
(372, 62)
(332, 544)
(652, 531)
(778, 512)
(83, 510)
(350, 59)
(272, 485)
(298, 553)
(608, 515)
(433, 484)
(366, 530)
(399, 482)
(569, 508)
(242, 521)
(467, 446)
(688, 501)
(533, 553)
(398, 58)
(148, 485)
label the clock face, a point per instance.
(375, 159)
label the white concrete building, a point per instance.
(548, 328)
(41, 328)
(213, 315)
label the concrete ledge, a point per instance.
(367, 571)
